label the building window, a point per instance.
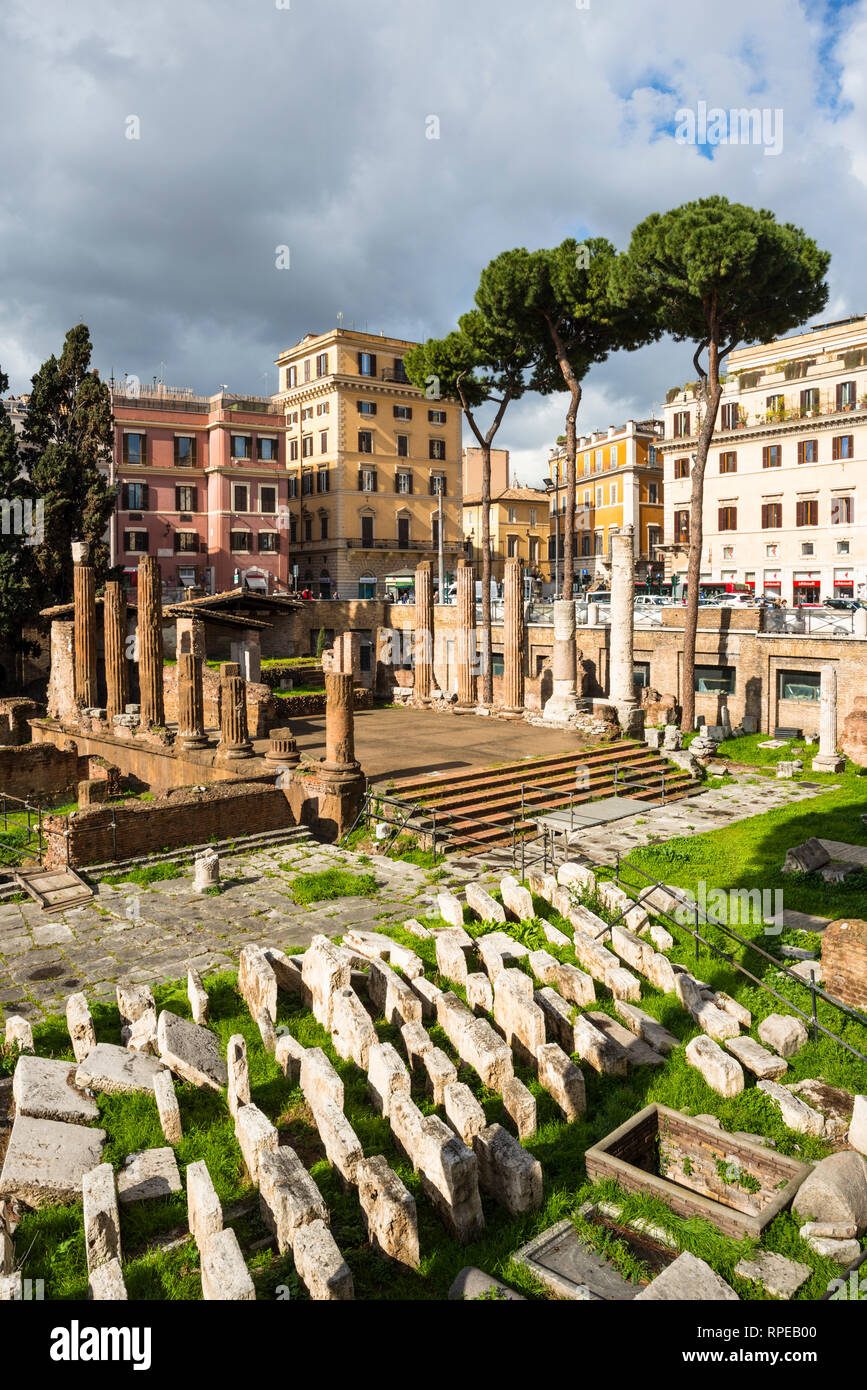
(651, 454)
(307, 369)
(436, 417)
(403, 412)
(807, 548)
(322, 364)
(681, 526)
(323, 528)
(803, 686)
(308, 528)
(307, 482)
(807, 514)
(808, 451)
(613, 492)
(186, 542)
(293, 450)
(772, 516)
(136, 542)
(293, 529)
(323, 408)
(365, 442)
(266, 449)
(597, 460)
(135, 449)
(680, 424)
(653, 492)
(728, 462)
(367, 480)
(241, 542)
(240, 446)
(533, 545)
(323, 441)
(842, 547)
(291, 377)
(268, 500)
(842, 511)
(185, 450)
(134, 497)
(599, 497)
(366, 407)
(775, 405)
(437, 485)
(403, 482)
(307, 413)
(437, 449)
(533, 516)
(292, 483)
(641, 674)
(715, 680)
(843, 446)
(513, 515)
(728, 554)
(681, 468)
(403, 446)
(269, 542)
(772, 456)
(366, 364)
(323, 481)
(512, 546)
(809, 399)
(185, 499)
(730, 415)
(598, 543)
(728, 519)
(771, 552)
(845, 395)
(239, 497)
(307, 446)
(612, 456)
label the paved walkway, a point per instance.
(150, 934)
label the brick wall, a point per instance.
(15, 713)
(184, 817)
(40, 770)
(844, 962)
(263, 708)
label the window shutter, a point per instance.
(145, 504)
(359, 363)
(124, 496)
(374, 480)
(194, 499)
(721, 519)
(442, 487)
(373, 364)
(409, 482)
(360, 480)
(358, 405)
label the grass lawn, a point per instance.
(331, 883)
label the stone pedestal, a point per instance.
(247, 652)
(339, 725)
(206, 870)
(828, 759)
(424, 632)
(234, 734)
(114, 631)
(563, 703)
(465, 645)
(283, 750)
(191, 703)
(150, 641)
(513, 637)
(84, 632)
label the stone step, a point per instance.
(523, 769)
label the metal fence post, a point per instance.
(113, 833)
(66, 834)
(813, 1003)
(523, 866)
(662, 780)
(434, 820)
(522, 801)
(695, 930)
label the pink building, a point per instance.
(201, 485)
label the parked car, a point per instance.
(847, 604)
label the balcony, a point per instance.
(378, 543)
(394, 374)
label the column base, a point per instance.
(630, 717)
(337, 772)
(188, 743)
(234, 754)
(563, 704)
(828, 762)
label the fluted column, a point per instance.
(114, 636)
(424, 622)
(339, 723)
(828, 759)
(84, 627)
(622, 684)
(150, 641)
(513, 636)
(234, 734)
(191, 702)
(466, 636)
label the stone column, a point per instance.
(234, 734)
(465, 643)
(191, 702)
(84, 626)
(114, 635)
(563, 702)
(339, 724)
(828, 759)
(621, 690)
(424, 634)
(150, 641)
(283, 750)
(513, 637)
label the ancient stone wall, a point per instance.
(844, 962)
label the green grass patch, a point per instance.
(331, 883)
(151, 873)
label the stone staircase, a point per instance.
(477, 809)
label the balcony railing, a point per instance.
(394, 374)
(380, 543)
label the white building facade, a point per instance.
(785, 489)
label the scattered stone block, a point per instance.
(44, 1089)
(406, 1127)
(796, 1114)
(451, 961)
(594, 957)
(257, 983)
(497, 950)
(486, 1052)
(254, 1133)
(520, 1106)
(631, 949)
(451, 911)
(480, 994)
(352, 1030)
(828, 1230)
(416, 1042)
(396, 1000)
(389, 1211)
(415, 928)
(722, 1073)
(858, 1125)
(780, 1276)
(485, 907)
(204, 1212)
(324, 971)
(19, 1033)
(517, 901)
(472, 1283)
(636, 1052)
(138, 1016)
(570, 982)
(105, 1283)
(649, 1029)
(191, 1052)
(46, 1161)
(342, 1145)
(543, 885)
(319, 1079)
(660, 973)
(449, 1175)
(151, 1173)
(115, 1069)
(805, 858)
(168, 1108)
(767, 1066)
(833, 1102)
(784, 1033)
(688, 1279)
(836, 1190)
(595, 1048)
(555, 937)
(441, 1071)
(80, 1025)
(578, 875)
(289, 1054)
(427, 994)
(559, 1027)
(238, 1074)
(520, 1018)
(456, 1020)
(562, 1080)
(267, 1032)
(586, 922)
(507, 1172)
(198, 996)
(731, 1006)
(101, 1216)
(320, 1265)
(623, 984)
(386, 1076)
(288, 1196)
(225, 1277)
(845, 1252)
(402, 958)
(662, 939)
(287, 970)
(463, 1111)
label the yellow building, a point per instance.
(519, 517)
(370, 459)
(618, 483)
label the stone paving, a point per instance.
(151, 934)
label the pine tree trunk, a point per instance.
(487, 671)
(711, 392)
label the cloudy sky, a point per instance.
(305, 124)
